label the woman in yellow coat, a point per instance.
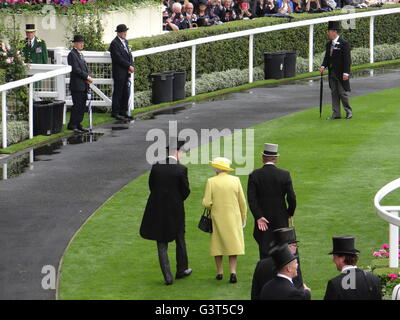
(224, 196)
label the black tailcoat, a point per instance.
(367, 287)
(339, 62)
(164, 216)
(282, 289)
(267, 192)
(121, 60)
(79, 73)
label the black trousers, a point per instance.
(181, 256)
(78, 109)
(120, 97)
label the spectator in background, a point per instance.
(313, 6)
(203, 18)
(177, 17)
(244, 13)
(298, 6)
(286, 7)
(269, 7)
(214, 10)
(189, 15)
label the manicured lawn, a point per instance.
(336, 166)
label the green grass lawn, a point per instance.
(336, 166)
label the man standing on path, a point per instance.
(267, 192)
(338, 61)
(79, 85)
(122, 68)
(164, 216)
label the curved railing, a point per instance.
(391, 215)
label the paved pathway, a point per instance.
(42, 209)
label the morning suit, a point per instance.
(121, 58)
(338, 61)
(225, 197)
(265, 271)
(164, 216)
(36, 52)
(367, 286)
(78, 87)
(282, 289)
(268, 190)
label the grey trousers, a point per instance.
(339, 94)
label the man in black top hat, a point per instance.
(35, 50)
(79, 85)
(164, 216)
(281, 287)
(122, 68)
(353, 283)
(271, 198)
(266, 269)
(338, 61)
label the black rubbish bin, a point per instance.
(179, 85)
(289, 65)
(162, 87)
(42, 117)
(58, 113)
(274, 65)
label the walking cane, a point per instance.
(321, 91)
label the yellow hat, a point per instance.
(222, 163)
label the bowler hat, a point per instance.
(121, 28)
(176, 144)
(344, 245)
(270, 150)
(334, 25)
(30, 27)
(285, 236)
(78, 38)
(281, 255)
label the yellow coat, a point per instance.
(224, 195)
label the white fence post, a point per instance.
(30, 119)
(194, 70)
(5, 171)
(394, 243)
(60, 82)
(371, 39)
(251, 55)
(311, 49)
(4, 117)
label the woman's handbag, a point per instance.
(205, 223)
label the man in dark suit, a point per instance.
(79, 85)
(266, 269)
(164, 216)
(122, 68)
(353, 283)
(267, 192)
(338, 61)
(281, 287)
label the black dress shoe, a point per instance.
(168, 282)
(333, 118)
(79, 131)
(83, 129)
(233, 278)
(219, 276)
(180, 275)
(118, 117)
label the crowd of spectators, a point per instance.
(184, 14)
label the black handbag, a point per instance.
(205, 223)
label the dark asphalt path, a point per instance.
(42, 209)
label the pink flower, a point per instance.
(382, 251)
(385, 246)
(387, 254)
(376, 254)
(393, 276)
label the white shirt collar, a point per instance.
(172, 157)
(284, 276)
(122, 40)
(269, 162)
(335, 41)
(345, 268)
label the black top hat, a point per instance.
(176, 144)
(30, 27)
(344, 245)
(334, 25)
(285, 236)
(281, 255)
(121, 28)
(78, 38)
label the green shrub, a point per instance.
(2, 76)
(232, 54)
(17, 131)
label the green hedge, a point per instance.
(232, 54)
(16, 131)
(2, 76)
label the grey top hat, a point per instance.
(344, 245)
(270, 150)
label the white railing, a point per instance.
(391, 215)
(58, 70)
